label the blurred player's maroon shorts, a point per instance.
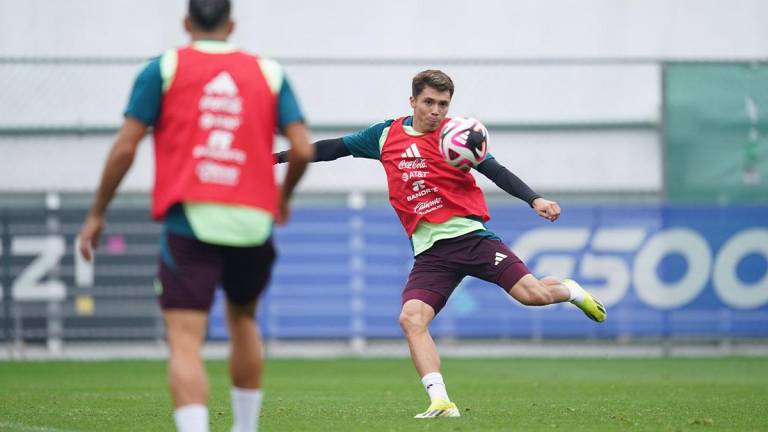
(437, 271)
(189, 272)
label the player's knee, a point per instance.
(412, 322)
(185, 367)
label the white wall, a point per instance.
(400, 28)
(365, 54)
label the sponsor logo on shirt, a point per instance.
(220, 113)
(414, 174)
(425, 207)
(415, 164)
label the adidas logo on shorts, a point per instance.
(499, 258)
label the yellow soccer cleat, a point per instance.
(440, 408)
(591, 306)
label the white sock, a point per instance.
(576, 292)
(191, 418)
(246, 406)
(433, 383)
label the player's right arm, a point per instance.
(325, 150)
(363, 144)
(141, 112)
(118, 163)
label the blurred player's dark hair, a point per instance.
(208, 15)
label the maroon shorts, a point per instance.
(438, 271)
(190, 270)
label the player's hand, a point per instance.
(283, 206)
(89, 236)
(547, 209)
(283, 212)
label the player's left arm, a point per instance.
(513, 185)
(324, 151)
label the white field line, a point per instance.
(21, 427)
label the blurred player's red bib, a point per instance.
(422, 185)
(214, 136)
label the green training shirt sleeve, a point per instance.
(144, 102)
(365, 142)
(288, 110)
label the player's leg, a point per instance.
(530, 291)
(430, 283)
(415, 317)
(245, 366)
(246, 274)
(498, 264)
(246, 349)
(534, 292)
(187, 276)
(185, 332)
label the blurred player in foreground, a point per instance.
(214, 110)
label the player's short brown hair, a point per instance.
(434, 78)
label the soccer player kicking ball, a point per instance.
(443, 211)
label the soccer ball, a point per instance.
(464, 142)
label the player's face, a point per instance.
(429, 109)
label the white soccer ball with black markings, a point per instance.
(464, 142)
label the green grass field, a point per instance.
(382, 395)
